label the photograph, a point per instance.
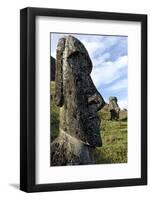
(83, 119)
(88, 99)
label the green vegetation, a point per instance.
(114, 139)
(113, 134)
(54, 114)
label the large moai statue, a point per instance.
(114, 108)
(79, 101)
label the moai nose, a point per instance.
(97, 100)
(100, 101)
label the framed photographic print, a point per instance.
(83, 99)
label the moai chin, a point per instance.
(114, 108)
(79, 101)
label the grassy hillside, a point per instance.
(54, 116)
(113, 133)
(105, 114)
(114, 139)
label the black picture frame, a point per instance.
(28, 98)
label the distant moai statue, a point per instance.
(79, 101)
(114, 108)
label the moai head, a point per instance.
(114, 107)
(76, 94)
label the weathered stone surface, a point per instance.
(79, 102)
(114, 108)
(53, 68)
(67, 150)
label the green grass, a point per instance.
(113, 134)
(114, 139)
(54, 113)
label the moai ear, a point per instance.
(59, 73)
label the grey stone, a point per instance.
(114, 108)
(79, 101)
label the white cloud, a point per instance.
(107, 72)
(53, 54)
(100, 44)
(123, 103)
(92, 46)
(120, 85)
(101, 59)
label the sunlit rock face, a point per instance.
(114, 108)
(79, 101)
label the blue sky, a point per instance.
(109, 55)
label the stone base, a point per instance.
(67, 150)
